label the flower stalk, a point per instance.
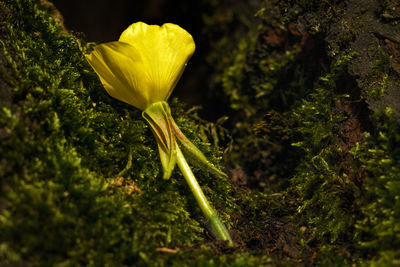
(217, 226)
(165, 130)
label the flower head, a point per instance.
(145, 64)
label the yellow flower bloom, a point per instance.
(145, 64)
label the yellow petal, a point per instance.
(164, 52)
(113, 63)
(146, 63)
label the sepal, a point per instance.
(194, 154)
(158, 115)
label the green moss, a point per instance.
(378, 77)
(313, 124)
(323, 187)
(294, 124)
(81, 179)
(378, 228)
(263, 79)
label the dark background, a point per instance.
(104, 20)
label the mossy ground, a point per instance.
(311, 95)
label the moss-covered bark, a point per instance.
(314, 96)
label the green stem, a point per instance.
(211, 215)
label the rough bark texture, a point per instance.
(312, 143)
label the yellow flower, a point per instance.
(142, 69)
(145, 64)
